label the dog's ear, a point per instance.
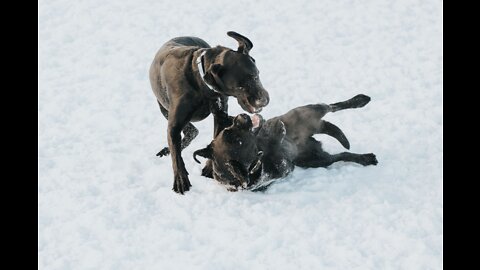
(216, 69)
(244, 44)
(206, 152)
(213, 76)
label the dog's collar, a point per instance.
(202, 72)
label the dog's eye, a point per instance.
(253, 59)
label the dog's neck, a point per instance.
(201, 70)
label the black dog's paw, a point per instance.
(164, 152)
(368, 159)
(273, 128)
(232, 189)
(360, 100)
(181, 184)
(280, 129)
(207, 171)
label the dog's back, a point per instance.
(180, 48)
(187, 41)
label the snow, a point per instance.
(105, 199)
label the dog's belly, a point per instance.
(162, 98)
(201, 113)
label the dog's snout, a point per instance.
(243, 121)
(262, 102)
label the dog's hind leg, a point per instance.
(311, 155)
(189, 133)
(363, 159)
(328, 128)
(324, 159)
(221, 120)
(334, 131)
(165, 151)
(303, 122)
(357, 101)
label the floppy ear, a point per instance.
(244, 44)
(206, 152)
(238, 172)
(213, 74)
(216, 69)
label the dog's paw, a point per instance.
(274, 127)
(232, 188)
(361, 100)
(164, 152)
(368, 159)
(181, 184)
(207, 171)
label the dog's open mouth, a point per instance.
(243, 102)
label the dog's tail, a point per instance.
(334, 131)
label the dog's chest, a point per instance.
(201, 112)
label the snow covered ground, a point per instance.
(105, 199)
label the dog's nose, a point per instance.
(262, 102)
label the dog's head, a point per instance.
(235, 74)
(234, 153)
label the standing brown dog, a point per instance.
(191, 80)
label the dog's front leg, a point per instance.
(221, 120)
(179, 116)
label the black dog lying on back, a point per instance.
(248, 157)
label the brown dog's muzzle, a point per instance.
(263, 101)
(259, 101)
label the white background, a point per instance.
(105, 199)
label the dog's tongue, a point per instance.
(255, 120)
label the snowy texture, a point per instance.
(105, 199)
